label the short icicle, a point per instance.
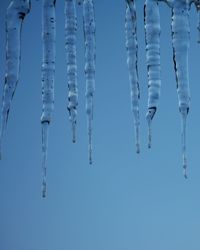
(90, 58)
(16, 12)
(132, 59)
(70, 46)
(180, 42)
(152, 38)
(48, 75)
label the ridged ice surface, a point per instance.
(90, 56)
(132, 58)
(70, 46)
(180, 41)
(152, 37)
(16, 12)
(48, 75)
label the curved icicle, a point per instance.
(48, 75)
(132, 59)
(90, 56)
(16, 12)
(152, 37)
(180, 41)
(70, 46)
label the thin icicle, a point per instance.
(152, 37)
(16, 12)
(197, 4)
(132, 58)
(90, 56)
(180, 41)
(48, 75)
(183, 142)
(70, 46)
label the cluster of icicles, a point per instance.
(17, 11)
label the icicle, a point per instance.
(70, 45)
(180, 41)
(183, 141)
(132, 58)
(197, 3)
(16, 12)
(152, 37)
(48, 75)
(90, 56)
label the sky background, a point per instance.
(124, 201)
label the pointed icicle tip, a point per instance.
(90, 149)
(45, 129)
(184, 112)
(44, 189)
(137, 140)
(73, 133)
(149, 116)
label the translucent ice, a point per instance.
(16, 12)
(152, 37)
(132, 58)
(70, 45)
(48, 75)
(90, 56)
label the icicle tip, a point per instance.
(149, 116)
(137, 148)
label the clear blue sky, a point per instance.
(124, 201)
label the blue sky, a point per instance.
(124, 201)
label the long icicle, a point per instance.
(70, 46)
(90, 57)
(48, 75)
(16, 12)
(152, 37)
(132, 59)
(180, 42)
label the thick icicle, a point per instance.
(90, 56)
(48, 75)
(152, 37)
(180, 41)
(70, 45)
(132, 58)
(16, 12)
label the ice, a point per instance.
(16, 12)
(48, 75)
(152, 37)
(132, 59)
(90, 57)
(70, 46)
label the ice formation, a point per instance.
(152, 37)
(70, 45)
(180, 42)
(90, 56)
(16, 12)
(132, 58)
(48, 75)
